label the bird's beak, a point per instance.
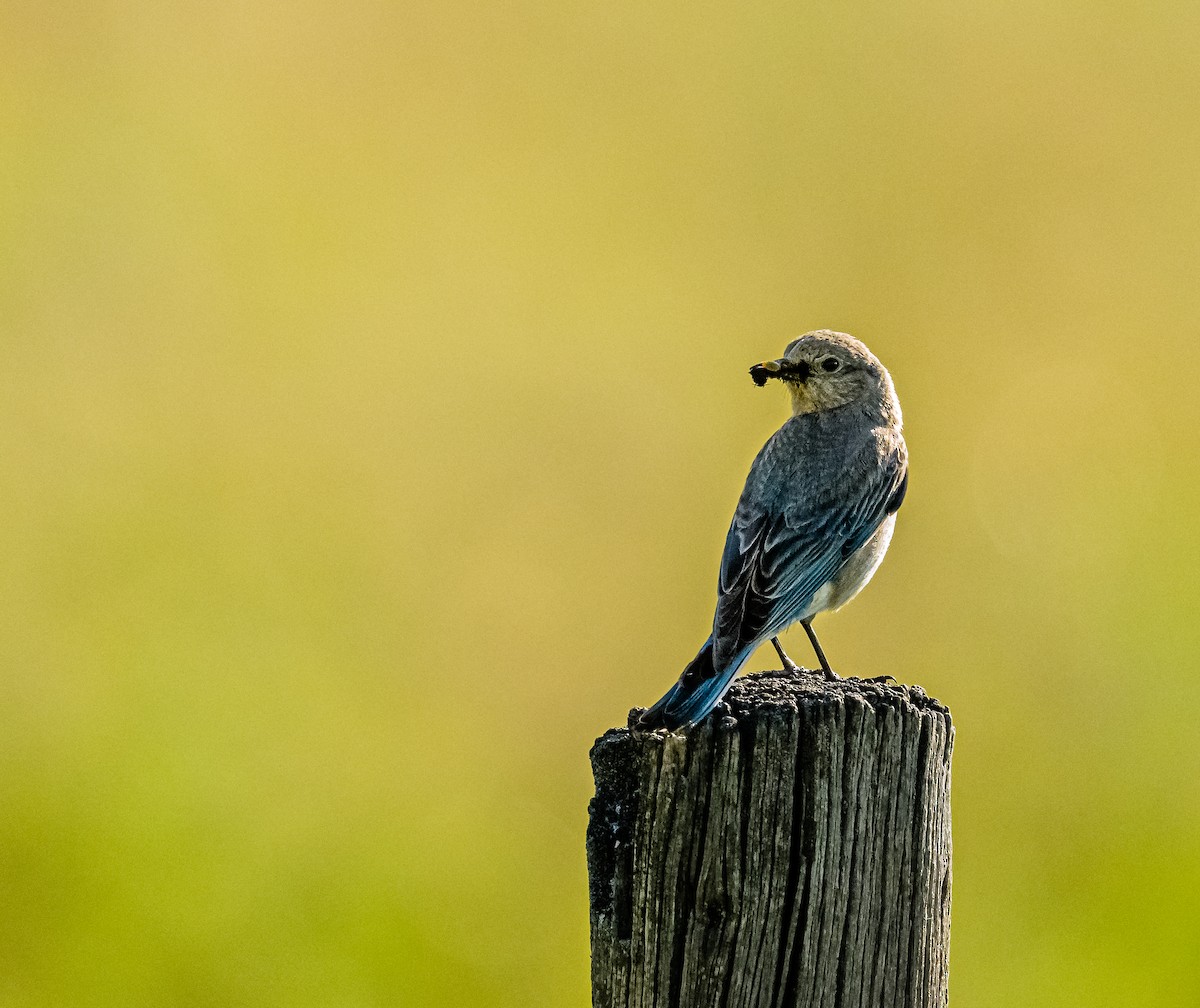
(782, 368)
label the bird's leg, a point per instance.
(830, 675)
(789, 666)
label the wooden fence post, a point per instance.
(791, 853)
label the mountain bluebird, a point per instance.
(814, 519)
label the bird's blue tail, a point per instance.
(697, 692)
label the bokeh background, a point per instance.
(373, 403)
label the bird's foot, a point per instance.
(881, 680)
(790, 667)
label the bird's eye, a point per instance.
(830, 364)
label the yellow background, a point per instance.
(373, 403)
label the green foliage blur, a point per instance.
(373, 403)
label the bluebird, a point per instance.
(814, 520)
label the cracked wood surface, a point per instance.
(791, 851)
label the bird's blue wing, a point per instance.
(776, 560)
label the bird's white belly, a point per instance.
(855, 573)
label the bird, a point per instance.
(813, 522)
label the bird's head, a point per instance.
(825, 369)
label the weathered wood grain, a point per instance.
(792, 852)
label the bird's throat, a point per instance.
(807, 398)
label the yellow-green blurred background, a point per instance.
(374, 402)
